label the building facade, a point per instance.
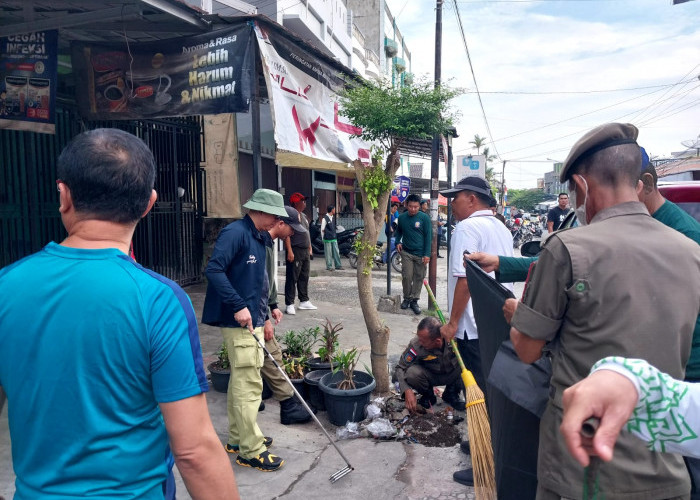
(382, 35)
(551, 184)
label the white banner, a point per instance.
(471, 166)
(304, 102)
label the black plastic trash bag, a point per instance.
(514, 430)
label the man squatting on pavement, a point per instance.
(291, 411)
(101, 358)
(427, 362)
(236, 301)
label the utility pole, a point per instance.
(435, 157)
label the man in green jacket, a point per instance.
(414, 235)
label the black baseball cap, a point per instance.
(475, 184)
(292, 219)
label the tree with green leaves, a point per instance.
(478, 142)
(388, 117)
(526, 198)
(490, 173)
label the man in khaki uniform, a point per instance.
(625, 285)
(236, 301)
(428, 361)
(291, 411)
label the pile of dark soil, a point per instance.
(432, 429)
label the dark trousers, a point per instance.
(469, 350)
(297, 276)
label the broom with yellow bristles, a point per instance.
(478, 425)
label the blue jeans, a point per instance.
(330, 249)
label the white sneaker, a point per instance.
(290, 309)
(306, 305)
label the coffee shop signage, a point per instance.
(204, 74)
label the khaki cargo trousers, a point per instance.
(281, 389)
(244, 390)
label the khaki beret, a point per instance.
(601, 137)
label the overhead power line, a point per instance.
(651, 120)
(659, 99)
(555, 92)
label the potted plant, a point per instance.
(329, 344)
(298, 346)
(322, 364)
(220, 370)
(346, 390)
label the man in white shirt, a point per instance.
(476, 231)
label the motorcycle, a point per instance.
(379, 258)
(345, 238)
(521, 234)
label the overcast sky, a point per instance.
(526, 52)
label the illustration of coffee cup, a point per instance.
(162, 96)
(151, 84)
(115, 97)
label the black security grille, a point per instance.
(168, 240)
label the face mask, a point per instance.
(580, 211)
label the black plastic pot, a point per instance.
(300, 386)
(346, 405)
(219, 377)
(317, 364)
(316, 397)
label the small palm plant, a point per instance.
(329, 339)
(346, 361)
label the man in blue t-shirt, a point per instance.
(99, 357)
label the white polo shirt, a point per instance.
(480, 232)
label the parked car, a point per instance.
(684, 194)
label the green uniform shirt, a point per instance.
(512, 269)
(414, 233)
(673, 216)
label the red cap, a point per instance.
(296, 198)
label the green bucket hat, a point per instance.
(268, 201)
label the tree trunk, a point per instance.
(377, 331)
